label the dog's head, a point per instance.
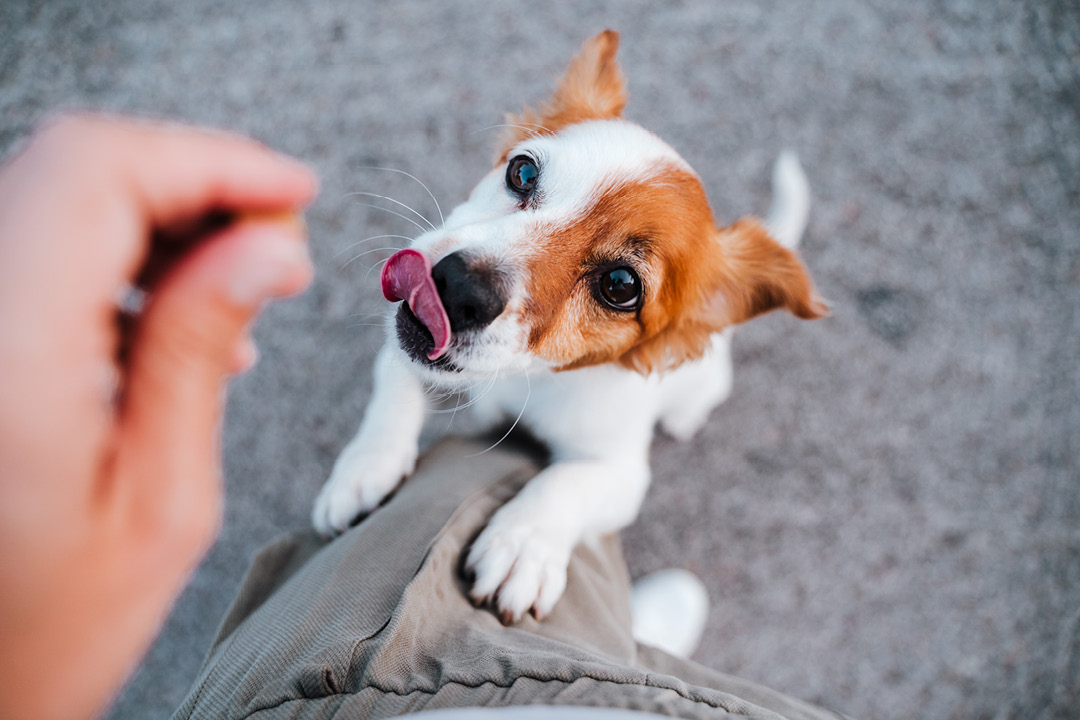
(591, 241)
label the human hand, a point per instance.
(108, 499)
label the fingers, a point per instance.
(193, 334)
(127, 180)
(193, 170)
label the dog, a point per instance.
(583, 288)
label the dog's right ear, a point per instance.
(593, 88)
(759, 275)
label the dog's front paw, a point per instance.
(518, 566)
(362, 478)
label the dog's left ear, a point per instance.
(756, 275)
(593, 88)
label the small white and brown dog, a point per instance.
(585, 290)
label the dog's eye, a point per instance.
(620, 288)
(522, 174)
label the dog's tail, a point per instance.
(791, 201)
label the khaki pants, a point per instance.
(377, 623)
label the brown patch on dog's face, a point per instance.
(694, 280)
(593, 88)
(660, 229)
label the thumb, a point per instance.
(167, 455)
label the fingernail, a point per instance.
(302, 168)
(277, 265)
(245, 355)
(293, 161)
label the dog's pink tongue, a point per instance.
(407, 276)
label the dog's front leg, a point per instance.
(383, 452)
(519, 561)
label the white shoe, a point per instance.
(668, 610)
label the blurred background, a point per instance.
(887, 510)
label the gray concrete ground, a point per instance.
(887, 511)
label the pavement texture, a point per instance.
(887, 510)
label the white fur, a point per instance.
(791, 201)
(598, 421)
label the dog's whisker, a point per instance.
(396, 202)
(373, 237)
(419, 227)
(528, 395)
(437, 393)
(440, 393)
(364, 315)
(442, 220)
(378, 264)
(476, 397)
(534, 125)
(367, 252)
(527, 127)
(486, 390)
(360, 325)
(473, 398)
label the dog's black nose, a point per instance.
(468, 294)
